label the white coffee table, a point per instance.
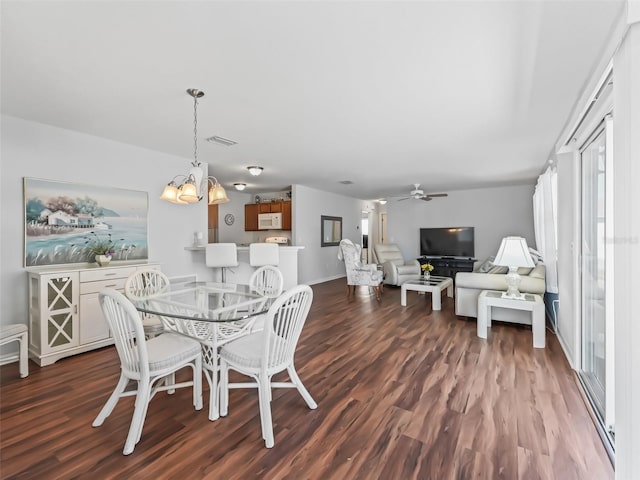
(433, 284)
(532, 303)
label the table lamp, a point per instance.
(513, 253)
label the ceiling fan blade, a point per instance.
(437, 195)
(405, 198)
(426, 198)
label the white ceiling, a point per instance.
(449, 94)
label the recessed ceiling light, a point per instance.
(346, 182)
(382, 202)
(254, 170)
(240, 186)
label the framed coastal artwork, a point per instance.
(72, 223)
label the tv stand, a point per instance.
(448, 266)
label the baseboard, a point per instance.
(326, 279)
(6, 359)
(565, 350)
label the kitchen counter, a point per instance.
(288, 264)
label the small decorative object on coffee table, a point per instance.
(433, 284)
(427, 268)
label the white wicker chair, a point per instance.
(149, 362)
(144, 283)
(263, 354)
(268, 282)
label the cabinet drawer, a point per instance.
(95, 287)
(106, 274)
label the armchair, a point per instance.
(396, 270)
(358, 273)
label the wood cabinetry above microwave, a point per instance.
(252, 210)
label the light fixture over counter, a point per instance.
(194, 183)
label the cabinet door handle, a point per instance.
(112, 285)
(110, 274)
(75, 308)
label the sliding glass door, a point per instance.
(597, 319)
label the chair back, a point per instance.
(221, 255)
(388, 253)
(127, 331)
(261, 254)
(283, 326)
(145, 282)
(267, 281)
(350, 253)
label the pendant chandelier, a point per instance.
(194, 182)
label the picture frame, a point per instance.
(68, 223)
(331, 231)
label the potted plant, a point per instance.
(427, 268)
(101, 246)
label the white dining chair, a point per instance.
(148, 362)
(144, 283)
(221, 255)
(268, 282)
(17, 332)
(261, 355)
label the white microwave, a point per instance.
(270, 221)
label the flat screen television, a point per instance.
(447, 242)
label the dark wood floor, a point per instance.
(402, 392)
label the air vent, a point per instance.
(222, 141)
(346, 182)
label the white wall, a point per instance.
(318, 264)
(493, 212)
(35, 150)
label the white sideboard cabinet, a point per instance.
(64, 313)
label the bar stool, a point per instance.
(261, 254)
(221, 255)
(17, 332)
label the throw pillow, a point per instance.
(486, 265)
(498, 269)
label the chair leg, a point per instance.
(348, 290)
(112, 401)
(137, 421)
(170, 380)
(299, 385)
(265, 411)
(214, 413)
(377, 289)
(24, 355)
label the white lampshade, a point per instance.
(514, 252)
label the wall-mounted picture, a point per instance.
(73, 223)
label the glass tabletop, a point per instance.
(431, 280)
(205, 301)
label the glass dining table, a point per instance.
(213, 313)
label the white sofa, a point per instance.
(396, 270)
(470, 284)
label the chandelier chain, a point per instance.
(195, 131)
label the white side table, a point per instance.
(531, 303)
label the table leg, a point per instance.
(537, 325)
(436, 299)
(450, 291)
(484, 312)
(403, 296)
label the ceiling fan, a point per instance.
(418, 194)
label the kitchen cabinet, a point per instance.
(65, 317)
(252, 210)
